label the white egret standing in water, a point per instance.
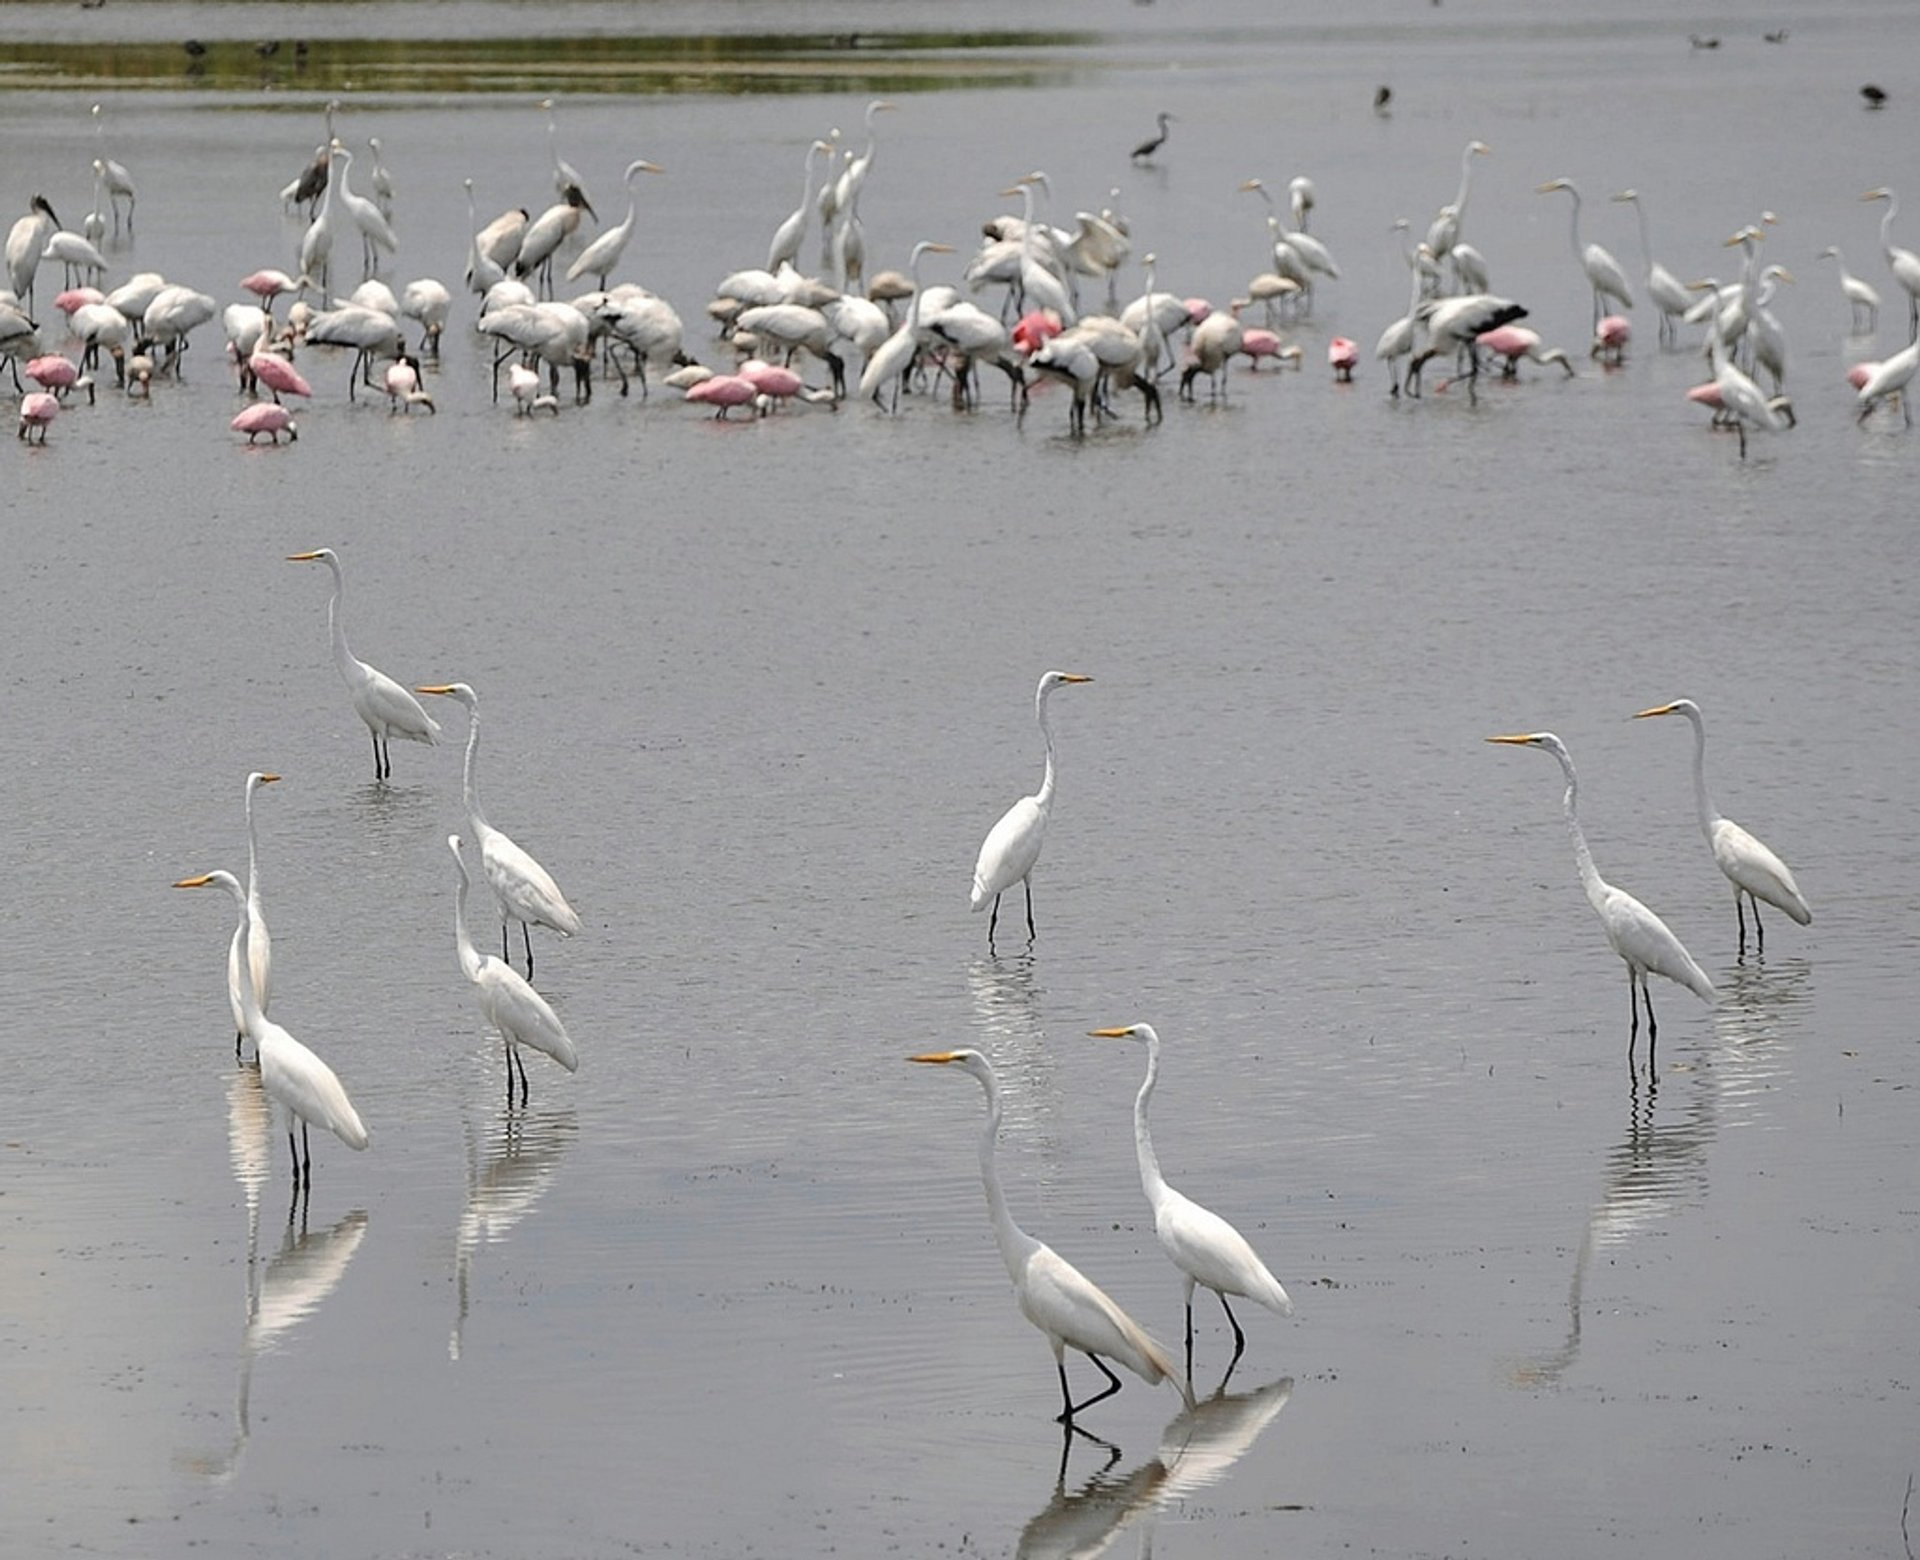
(1634, 932)
(1066, 1305)
(257, 946)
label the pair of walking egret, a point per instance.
(1642, 940)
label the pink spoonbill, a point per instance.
(268, 417)
(37, 410)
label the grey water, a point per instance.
(754, 691)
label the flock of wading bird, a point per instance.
(901, 330)
(1066, 1306)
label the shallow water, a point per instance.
(754, 692)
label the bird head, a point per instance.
(1141, 1032)
(1677, 707)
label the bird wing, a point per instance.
(1645, 941)
(298, 1079)
(1750, 865)
(1064, 1303)
(1010, 849)
(521, 1014)
(1214, 1253)
(384, 704)
(523, 886)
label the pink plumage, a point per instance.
(1034, 329)
(53, 373)
(37, 409)
(78, 298)
(1610, 338)
(278, 375)
(771, 379)
(1258, 343)
(1857, 376)
(725, 391)
(1707, 395)
(268, 417)
(1343, 354)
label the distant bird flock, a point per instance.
(1038, 302)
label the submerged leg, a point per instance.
(376, 752)
(1239, 1338)
(1112, 1386)
(993, 921)
(1633, 1007)
(1740, 914)
(520, 1062)
(1653, 1029)
(1759, 929)
(306, 1154)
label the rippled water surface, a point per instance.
(754, 691)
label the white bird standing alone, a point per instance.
(1202, 1245)
(387, 708)
(291, 1074)
(1634, 932)
(1053, 1294)
(1012, 845)
(1750, 867)
(525, 890)
(510, 1004)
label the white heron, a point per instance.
(1861, 296)
(1604, 273)
(1640, 937)
(603, 254)
(1206, 1249)
(789, 235)
(524, 890)
(1750, 867)
(1444, 231)
(1891, 378)
(1670, 295)
(1012, 845)
(1904, 263)
(1067, 1306)
(890, 361)
(293, 1077)
(564, 173)
(376, 233)
(387, 708)
(256, 949)
(113, 175)
(510, 1004)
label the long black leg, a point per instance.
(306, 1154)
(526, 936)
(1189, 1337)
(503, 945)
(1633, 1007)
(376, 752)
(1759, 929)
(1740, 914)
(293, 1148)
(993, 921)
(1239, 1338)
(239, 1035)
(507, 1046)
(1031, 933)
(1653, 1029)
(521, 1064)
(1112, 1386)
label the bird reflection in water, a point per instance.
(1009, 1027)
(507, 1175)
(1659, 1169)
(1198, 1448)
(290, 1285)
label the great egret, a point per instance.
(1904, 263)
(1604, 273)
(290, 1073)
(1053, 1294)
(890, 361)
(512, 1006)
(1444, 231)
(376, 233)
(1634, 932)
(790, 234)
(1669, 293)
(1861, 297)
(387, 708)
(1012, 845)
(258, 946)
(603, 254)
(564, 173)
(524, 890)
(1752, 869)
(1201, 1244)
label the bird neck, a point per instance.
(253, 851)
(251, 1016)
(1886, 227)
(1590, 879)
(1466, 179)
(342, 656)
(1151, 1181)
(470, 772)
(462, 939)
(1646, 236)
(1575, 227)
(1045, 795)
(1015, 1243)
(1709, 815)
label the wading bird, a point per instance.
(1604, 273)
(1053, 1294)
(1153, 143)
(1750, 867)
(292, 1076)
(1634, 932)
(1012, 845)
(387, 708)
(256, 948)
(1203, 1246)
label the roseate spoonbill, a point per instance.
(1862, 300)
(1207, 1250)
(268, 284)
(1635, 933)
(1904, 263)
(292, 1076)
(1604, 274)
(1067, 1306)
(268, 417)
(402, 384)
(725, 391)
(510, 1004)
(278, 375)
(1145, 150)
(1891, 378)
(1455, 324)
(388, 710)
(1012, 846)
(56, 374)
(1610, 338)
(1342, 357)
(1213, 343)
(1514, 342)
(37, 411)
(523, 890)
(1749, 866)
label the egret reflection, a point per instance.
(1007, 1022)
(1201, 1444)
(507, 1175)
(1759, 1013)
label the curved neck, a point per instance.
(1014, 1242)
(250, 1013)
(1045, 794)
(1575, 229)
(1886, 226)
(1701, 800)
(1466, 178)
(462, 941)
(470, 770)
(1151, 1181)
(253, 849)
(1646, 236)
(1590, 878)
(342, 656)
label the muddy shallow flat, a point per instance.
(755, 691)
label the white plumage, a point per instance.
(1012, 845)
